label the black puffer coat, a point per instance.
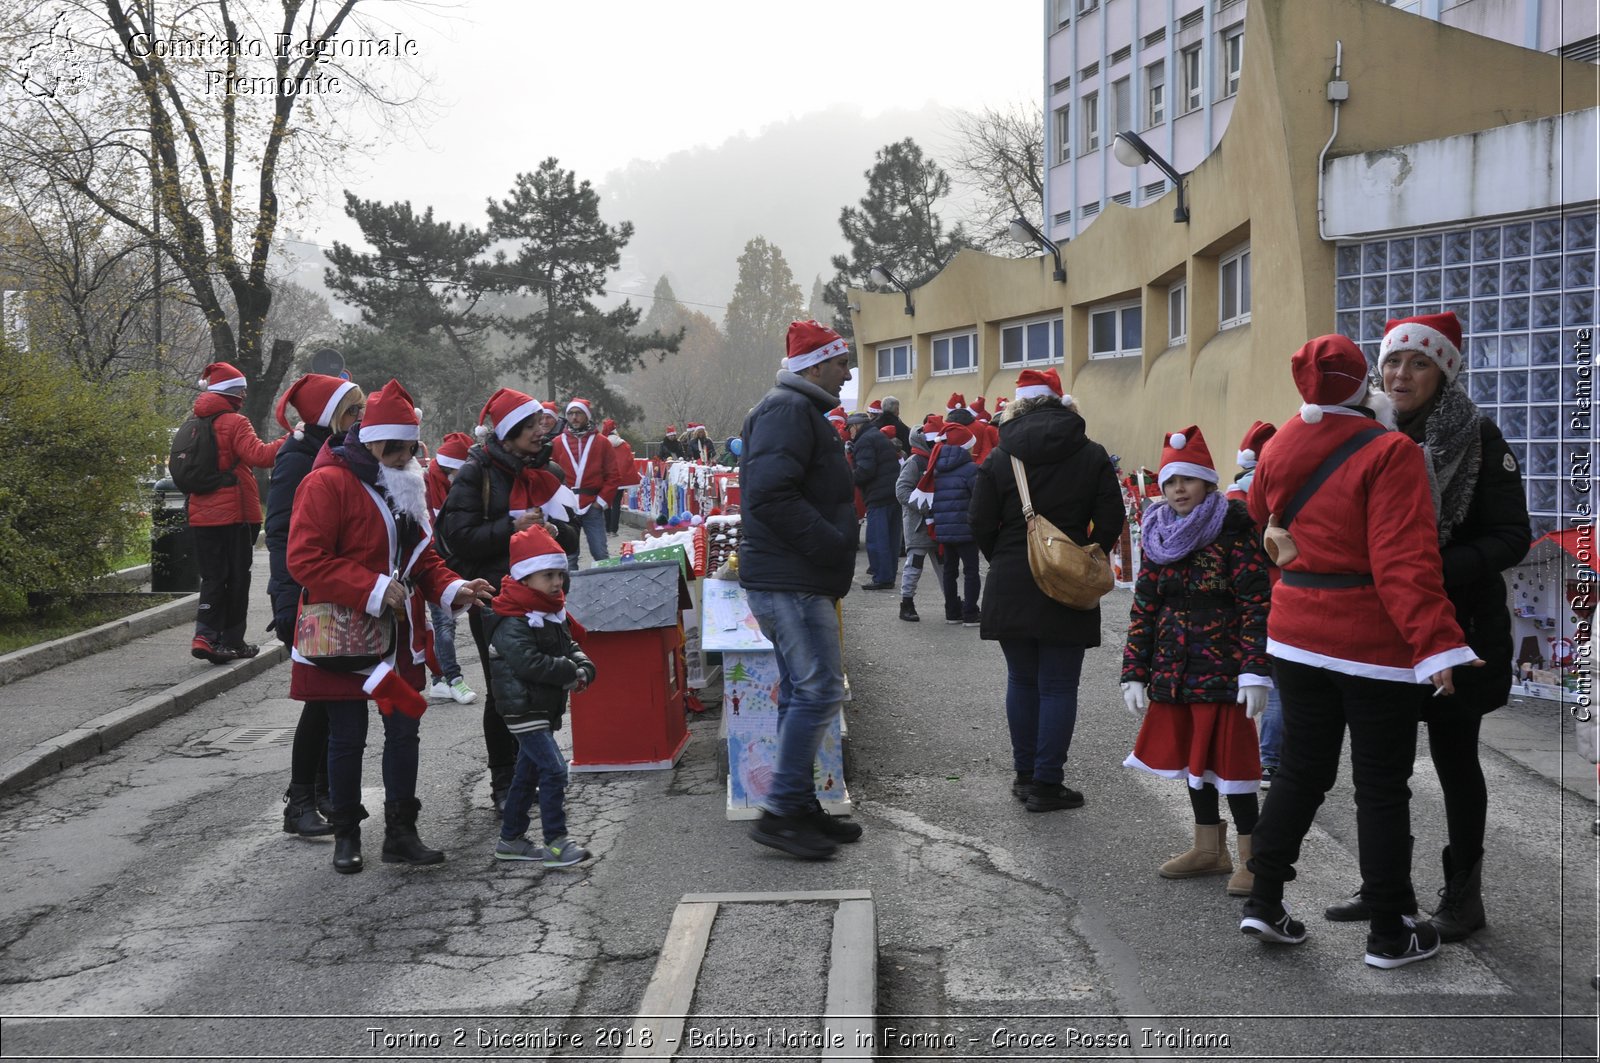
(288, 469)
(531, 667)
(478, 536)
(1494, 536)
(877, 466)
(1074, 486)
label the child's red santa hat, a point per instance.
(1254, 441)
(315, 399)
(875, 407)
(933, 427)
(809, 344)
(957, 401)
(1329, 372)
(220, 376)
(391, 415)
(672, 429)
(506, 409)
(953, 435)
(978, 410)
(837, 415)
(452, 453)
(608, 426)
(581, 404)
(1185, 454)
(534, 550)
(1436, 335)
(1038, 384)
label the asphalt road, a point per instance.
(150, 906)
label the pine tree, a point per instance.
(897, 224)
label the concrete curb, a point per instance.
(46, 655)
(105, 732)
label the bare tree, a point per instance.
(997, 155)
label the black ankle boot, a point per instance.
(908, 610)
(300, 815)
(320, 789)
(347, 839)
(400, 842)
(1460, 911)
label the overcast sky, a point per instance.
(599, 84)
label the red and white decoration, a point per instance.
(1038, 384)
(809, 344)
(506, 409)
(391, 415)
(220, 376)
(314, 397)
(1438, 336)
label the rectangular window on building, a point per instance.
(1115, 331)
(1034, 342)
(1190, 58)
(1155, 93)
(895, 361)
(1232, 61)
(1233, 283)
(1177, 314)
(1090, 140)
(957, 353)
(1063, 12)
(1064, 133)
(1086, 6)
(1121, 105)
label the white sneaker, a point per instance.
(463, 694)
(440, 691)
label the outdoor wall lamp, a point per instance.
(1025, 234)
(1131, 150)
(881, 276)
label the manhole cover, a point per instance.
(244, 739)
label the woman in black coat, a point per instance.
(1482, 511)
(477, 524)
(1072, 484)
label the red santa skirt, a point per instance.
(1206, 742)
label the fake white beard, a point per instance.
(407, 489)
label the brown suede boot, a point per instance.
(1241, 881)
(1209, 855)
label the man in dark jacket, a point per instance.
(877, 466)
(890, 418)
(670, 448)
(796, 558)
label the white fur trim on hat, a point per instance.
(1032, 391)
(516, 417)
(578, 404)
(1246, 459)
(326, 417)
(481, 431)
(829, 350)
(1185, 468)
(1177, 441)
(538, 563)
(1417, 334)
(449, 463)
(374, 433)
(233, 383)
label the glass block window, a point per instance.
(1522, 290)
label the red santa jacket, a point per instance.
(622, 458)
(343, 548)
(1373, 517)
(240, 449)
(591, 467)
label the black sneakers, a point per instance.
(1270, 921)
(1052, 797)
(1419, 941)
(839, 830)
(796, 835)
(1022, 786)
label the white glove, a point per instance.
(1134, 697)
(600, 502)
(1254, 700)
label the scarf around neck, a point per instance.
(1447, 428)
(1166, 537)
(518, 599)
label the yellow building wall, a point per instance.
(1411, 79)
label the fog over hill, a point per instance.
(694, 210)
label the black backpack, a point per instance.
(193, 462)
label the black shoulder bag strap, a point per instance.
(1329, 466)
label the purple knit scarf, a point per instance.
(1166, 537)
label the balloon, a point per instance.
(736, 446)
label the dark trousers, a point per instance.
(310, 750)
(965, 607)
(347, 740)
(883, 542)
(614, 515)
(1318, 705)
(498, 742)
(1041, 705)
(222, 555)
(1453, 742)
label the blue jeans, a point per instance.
(1271, 725)
(804, 630)
(883, 542)
(1041, 705)
(593, 523)
(542, 774)
(347, 739)
(444, 641)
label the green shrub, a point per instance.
(75, 454)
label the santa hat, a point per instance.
(315, 399)
(1000, 404)
(220, 376)
(1038, 384)
(1436, 335)
(390, 415)
(810, 344)
(952, 435)
(957, 401)
(392, 693)
(1185, 454)
(608, 426)
(694, 426)
(888, 430)
(533, 550)
(672, 429)
(933, 427)
(506, 409)
(875, 407)
(452, 453)
(837, 415)
(978, 411)
(581, 404)
(1329, 371)
(959, 436)
(1254, 440)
